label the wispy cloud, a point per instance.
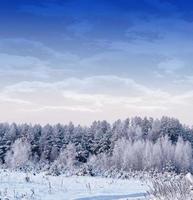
(109, 84)
(61, 108)
(95, 93)
(8, 99)
(171, 66)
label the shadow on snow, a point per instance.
(113, 197)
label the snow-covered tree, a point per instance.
(136, 143)
(67, 157)
(19, 154)
(183, 155)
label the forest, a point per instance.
(133, 144)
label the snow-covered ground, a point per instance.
(13, 185)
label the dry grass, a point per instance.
(171, 189)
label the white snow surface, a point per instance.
(13, 185)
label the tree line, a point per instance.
(132, 144)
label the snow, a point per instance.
(13, 185)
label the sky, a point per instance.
(86, 60)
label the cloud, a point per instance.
(158, 44)
(92, 92)
(96, 96)
(24, 59)
(7, 99)
(61, 108)
(150, 36)
(26, 47)
(22, 66)
(19, 62)
(171, 66)
(185, 80)
(108, 84)
(35, 49)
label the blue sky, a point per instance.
(81, 60)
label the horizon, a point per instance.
(101, 120)
(78, 61)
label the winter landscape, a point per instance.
(96, 100)
(130, 159)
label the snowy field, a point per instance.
(13, 185)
